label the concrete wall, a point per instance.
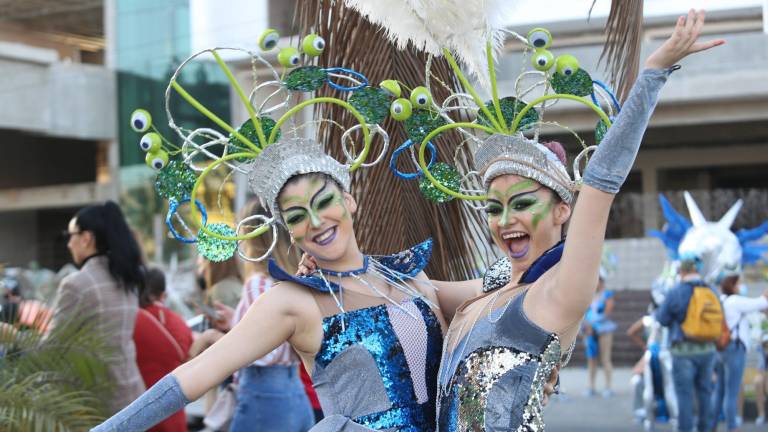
(59, 99)
(723, 85)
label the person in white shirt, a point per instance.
(736, 307)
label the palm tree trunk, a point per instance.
(393, 214)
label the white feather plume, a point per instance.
(461, 26)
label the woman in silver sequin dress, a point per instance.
(504, 344)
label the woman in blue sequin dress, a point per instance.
(506, 343)
(367, 328)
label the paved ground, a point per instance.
(574, 412)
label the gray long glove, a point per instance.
(155, 405)
(614, 157)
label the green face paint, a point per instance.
(287, 200)
(309, 206)
(540, 212)
(511, 190)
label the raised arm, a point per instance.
(272, 320)
(611, 163)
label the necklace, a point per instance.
(355, 272)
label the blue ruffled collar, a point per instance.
(500, 272)
(402, 265)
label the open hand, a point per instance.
(683, 42)
(223, 320)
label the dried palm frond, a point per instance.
(621, 53)
(392, 213)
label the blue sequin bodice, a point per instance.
(378, 368)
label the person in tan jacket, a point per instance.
(103, 293)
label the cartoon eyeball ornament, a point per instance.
(567, 65)
(156, 160)
(268, 40)
(420, 97)
(542, 60)
(313, 45)
(392, 87)
(141, 120)
(401, 109)
(289, 57)
(540, 38)
(150, 142)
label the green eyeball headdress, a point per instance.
(269, 151)
(504, 132)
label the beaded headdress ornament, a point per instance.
(268, 151)
(503, 132)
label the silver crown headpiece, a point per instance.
(277, 163)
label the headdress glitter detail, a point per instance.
(268, 151)
(504, 132)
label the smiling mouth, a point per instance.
(517, 243)
(325, 237)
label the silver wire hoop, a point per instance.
(267, 221)
(577, 162)
(374, 129)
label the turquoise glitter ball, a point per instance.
(215, 249)
(577, 84)
(421, 123)
(175, 181)
(372, 103)
(510, 107)
(306, 79)
(600, 130)
(447, 176)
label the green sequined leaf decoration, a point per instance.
(372, 103)
(175, 181)
(578, 83)
(306, 79)
(510, 106)
(248, 130)
(447, 176)
(215, 249)
(421, 123)
(600, 130)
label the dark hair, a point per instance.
(729, 284)
(154, 286)
(115, 240)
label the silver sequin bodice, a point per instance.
(494, 378)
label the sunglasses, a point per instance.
(66, 235)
